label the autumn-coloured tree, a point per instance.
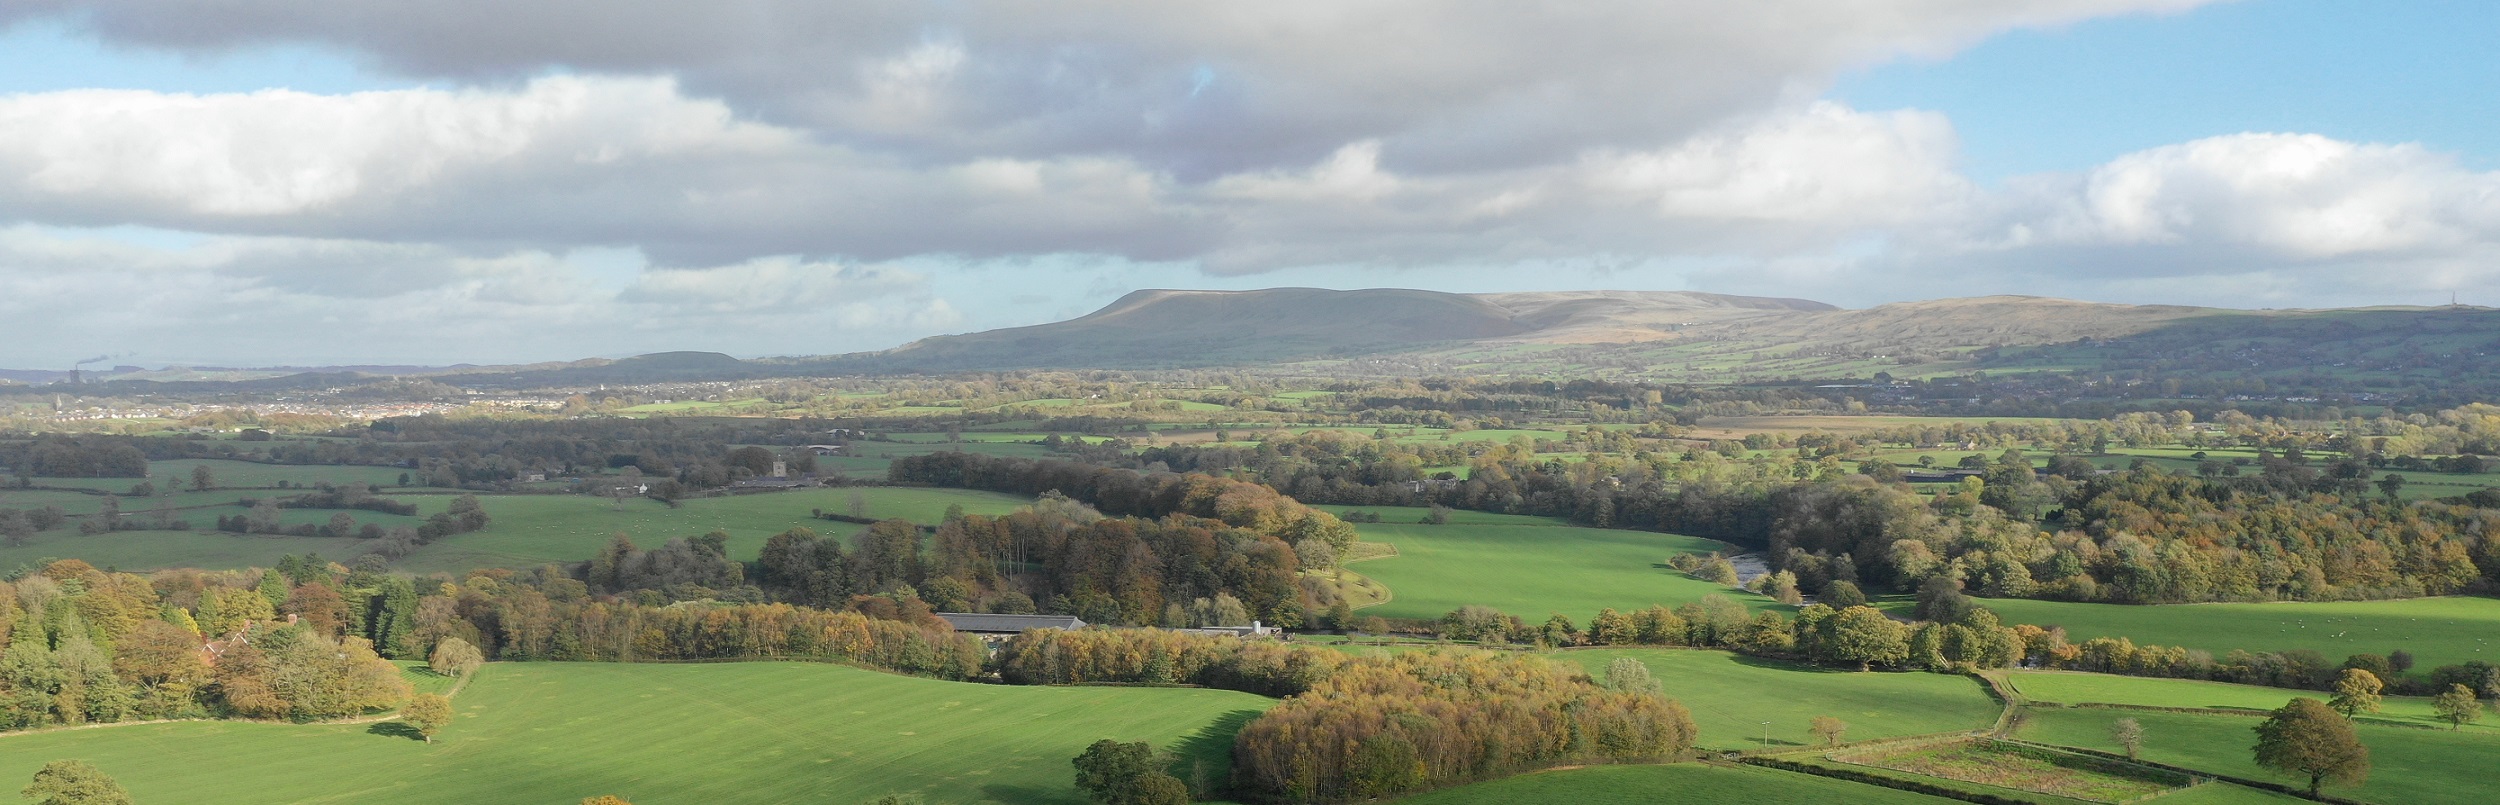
(2356, 692)
(455, 657)
(427, 713)
(1380, 726)
(2129, 735)
(1863, 635)
(320, 607)
(2458, 706)
(164, 661)
(1630, 674)
(605, 799)
(1829, 729)
(2308, 739)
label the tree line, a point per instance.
(84, 647)
(1355, 728)
(2288, 531)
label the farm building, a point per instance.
(1007, 625)
(1255, 629)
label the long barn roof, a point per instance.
(1008, 624)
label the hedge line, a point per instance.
(2278, 788)
(1870, 778)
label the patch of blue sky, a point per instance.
(2069, 98)
(51, 55)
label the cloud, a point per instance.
(1197, 90)
(2299, 197)
(250, 300)
(555, 163)
(1824, 166)
(570, 162)
(1798, 180)
(2252, 219)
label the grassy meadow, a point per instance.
(1529, 567)
(527, 529)
(2439, 631)
(1676, 785)
(2069, 687)
(2408, 766)
(704, 734)
(1731, 695)
(534, 529)
(237, 474)
(138, 551)
(870, 459)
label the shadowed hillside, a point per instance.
(1651, 336)
(1164, 328)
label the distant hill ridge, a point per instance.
(1164, 328)
(1663, 333)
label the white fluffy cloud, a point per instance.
(2238, 220)
(2300, 197)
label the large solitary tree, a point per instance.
(454, 657)
(2306, 738)
(428, 713)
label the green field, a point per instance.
(2066, 687)
(870, 459)
(2409, 766)
(157, 550)
(702, 406)
(80, 503)
(534, 529)
(1680, 783)
(527, 529)
(1731, 695)
(2002, 765)
(238, 474)
(2439, 631)
(716, 734)
(422, 679)
(1530, 567)
(2228, 794)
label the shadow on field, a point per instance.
(1205, 757)
(1026, 793)
(395, 729)
(1784, 665)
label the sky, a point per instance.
(284, 182)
